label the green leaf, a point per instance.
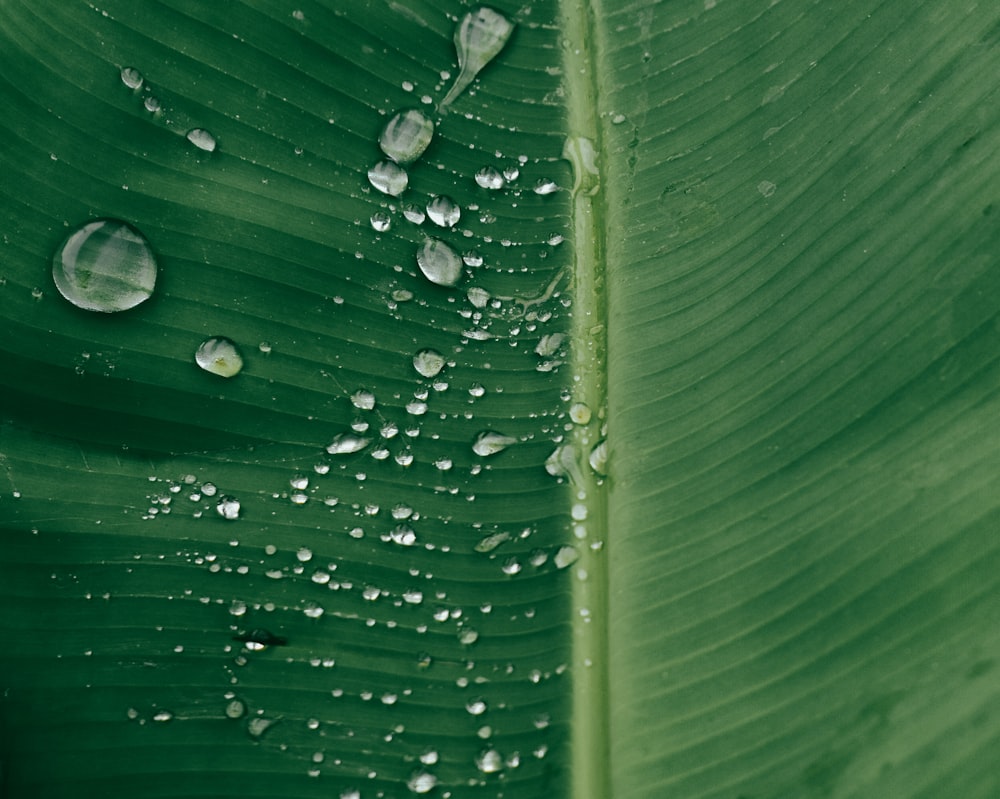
(767, 279)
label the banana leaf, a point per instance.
(669, 468)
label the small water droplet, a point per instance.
(468, 636)
(566, 556)
(131, 77)
(490, 443)
(439, 263)
(421, 782)
(388, 178)
(479, 37)
(380, 221)
(476, 707)
(443, 211)
(163, 715)
(428, 362)
(491, 542)
(478, 297)
(151, 104)
(511, 173)
(429, 758)
(405, 137)
(258, 725)
(219, 356)
(489, 761)
(403, 535)
(477, 390)
(490, 178)
(346, 444)
(202, 139)
(105, 265)
(549, 344)
(579, 413)
(235, 709)
(472, 258)
(228, 508)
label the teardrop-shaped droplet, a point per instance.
(443, 211)
(346, 444)
(439, 262)
(131, 77)
(490, 443)
(428, 363)
(479, 37)
(490, 178)
(105, 265)
(202, 139)
(388, 178)
(219, 356)
(405, 137)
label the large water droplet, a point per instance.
(490, 178)
(131, 77)
(421, 782)
(219, 356)
(490, 443)
(202, 139)
(489, 761)
(105, 265)
(443, 211)
(439, 262)
(388, 178)
(405, 137)
(479, 37)
(428, 363)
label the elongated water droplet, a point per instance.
(346, 444)
(202, 139)
(479, 37)
(490, 443)
(439, 262)
(490, 178)
(388, 178)
(428, 362)
(549, 344)
(599, 458)
(258, 725)
(491, 542)
(105, 265)
(566, 556)
(405, 137)
(443, 211)
(219, 356)
(546, 186)
(131, 77)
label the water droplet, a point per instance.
(421, 782)
(235, 709)
(476, 707)
(429, 758)
(428, 363)
(405, 137)
(489, 761)
(105, 265)
(490, 443)
(346, 444)
(599, 458)
(380, 221)
(468, 636)
(228, 508)
(219, 356)
(579, 413)
(403, 535)
(258, 725)
(477, 390)
(414, 213)
(151, 104)
(511, 173)
(388, 178)
(439, 263)
(490, 178)
(163, 715)
(491, 542)
(545, 186)
(202, 139)
(478, 297)
(479, 37)
(131, 77)
(363, 400)
(472, 258)
(443, 211)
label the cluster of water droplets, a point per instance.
(200, 138)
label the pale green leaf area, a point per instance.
(769, 279)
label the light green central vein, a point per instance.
(591, 764)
